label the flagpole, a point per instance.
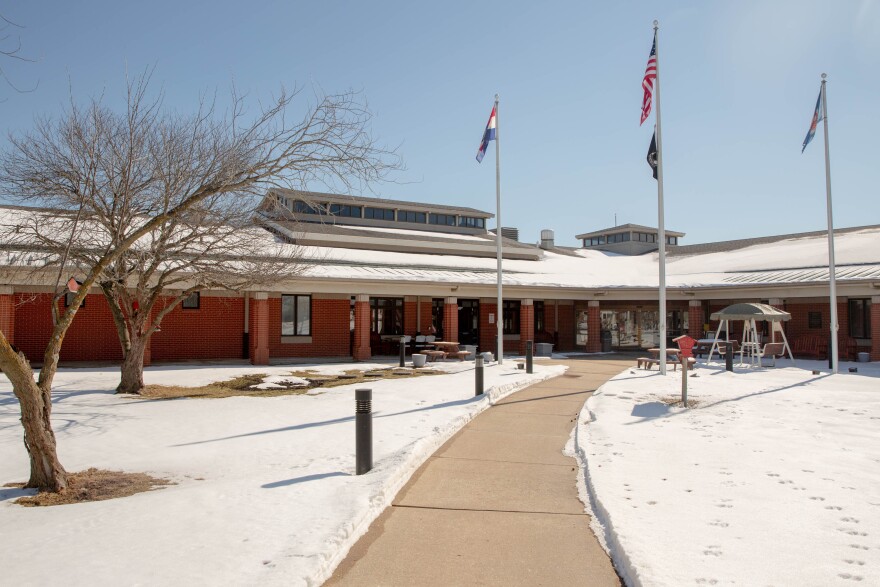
(661, 230)
(831, 271)
(500, 317)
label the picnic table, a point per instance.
(445, 348)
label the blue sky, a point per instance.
(739, 83)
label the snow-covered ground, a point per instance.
(774, 479)
(266, 491)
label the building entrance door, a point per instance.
(469, 322)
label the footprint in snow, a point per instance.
(850, 561)
(713, 550)
(850, 577)
(702, 581)
(719, 523)
(849, 519)
(817, 498)
(852, 532)
(860, 547)
(833, 507)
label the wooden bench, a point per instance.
(461, 355)
(811, 345)
(646, 363)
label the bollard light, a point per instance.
(478, 376)
(530, 345)
(363, 422)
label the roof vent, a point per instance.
(547, 239)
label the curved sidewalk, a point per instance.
(497, 504)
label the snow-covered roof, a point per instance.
(798, 259)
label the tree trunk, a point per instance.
(47, 474)
(132, 372)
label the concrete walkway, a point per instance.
(497, 504)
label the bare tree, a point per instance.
(10, 47)
(116, 182)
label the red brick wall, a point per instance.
(695, 322)
(330, 330)
(799, 323)
(450, 321)
(410, 317)
(91, 337)
(594, 329)
(361, 344)
(213, 331)
(526, 327)
(7, 317)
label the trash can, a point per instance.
(864, 357)
(543, 349)
(606, 341)
(418, 360)
(471, 349)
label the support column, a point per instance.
(361, 349)
(410, 315)
(526, 324)
(875, 328)
(695, 319)
(259, 327)
(594, 327)
(450, 319)
(7, 313)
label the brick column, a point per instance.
(695, 319)
(450, 319)
(875, 328)
(259, 327)
(7, 313)
(526, 324)
(361, 349)
(410, 315)
(594, 328)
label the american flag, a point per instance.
(648, 82)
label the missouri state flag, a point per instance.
(817, 116)
(488, 135)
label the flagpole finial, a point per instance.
(824, 75)
(496, 97)
(656, 24)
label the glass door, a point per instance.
(469, 322)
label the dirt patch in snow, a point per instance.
(254, 384)
(94, 485)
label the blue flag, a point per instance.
(817, 116)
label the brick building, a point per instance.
(377, 269)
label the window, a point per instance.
(296, 315)
(646, 237)
(68, 299)
(345, 210)
(671, 240)
(409, 216)
(617, 238)
(860, 318)
(301, 207)
(596, 240)
(379, 213)
(511, 316)
(442, 219)
(539, 316)
(192, 301)
(814, 319)
(386, 315)
(471, 222)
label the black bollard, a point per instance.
(830, 359)
(478, 376)
(363, 422)
(402, 352)
(728, 356)
(529, 355)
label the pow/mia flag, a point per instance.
(652, 154)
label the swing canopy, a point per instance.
(751, 312)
